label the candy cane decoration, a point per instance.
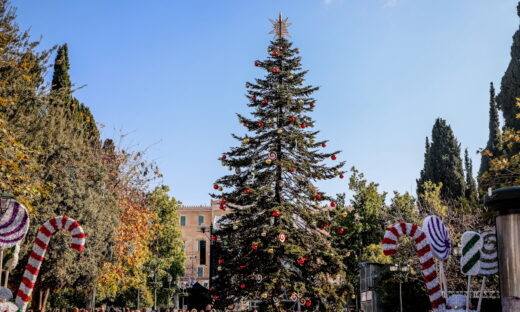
(423, 248)
(41, 242)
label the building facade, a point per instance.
(196, 224)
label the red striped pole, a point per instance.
(41, 242)
(422, 246)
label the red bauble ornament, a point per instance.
(254, 247)
(308, 303)
(242, 286)
(318, 196)
(313, 104)
(257, 63)
(215, 297)
(323, 145)
(212, 289)
(276, 213)
(260, 124)
(244, 124)
(213, 237)
(303, 126)
(341, 231)
(333, 204)
(326, 225)
(220, 261)
(301, 261)
(264, 101)
(333, 157)
(276, 70)
(275, 53)
(292, 169)
(345, 293)
(215, 186)
(253, 97)
(341, 176)
(242, 267)
(222, 207)
(246, 191)
(222, 201)
(292, 119)
(224, 156)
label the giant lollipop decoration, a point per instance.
(439, 239)
(488, 259)
(438, 236)
(470, 259)
(14, 224)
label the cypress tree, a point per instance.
(510, 87)
(271, 194)
(493, 143)
(442, 162)
(471, 185)
(77, 178)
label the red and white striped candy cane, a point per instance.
(422, 245)
(41, 242)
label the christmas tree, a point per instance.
(274, 246)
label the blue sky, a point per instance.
(172, 74)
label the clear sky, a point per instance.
(172, 73)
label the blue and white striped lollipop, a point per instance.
(438, 236)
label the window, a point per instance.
(183, 220)
(202, 250)
(200, 272)
(201, 220)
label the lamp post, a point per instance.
(5, 202)
(154, 276)
(400, 268)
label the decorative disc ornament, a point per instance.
(282, 237)
(488, 253)
(438, 236)
(302, 300)
(259, 278)
(13, 225)
(470, 259)
(237, 170)
(276, 300)
(294, 297)
(273, 155)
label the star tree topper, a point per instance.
(280, 27)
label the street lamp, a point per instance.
(154, 275)
(400, 268)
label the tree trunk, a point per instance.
(44, 303)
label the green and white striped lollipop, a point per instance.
(470, 259)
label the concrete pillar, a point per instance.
(505, 202)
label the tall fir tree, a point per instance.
(471, 185)
(442, 162)
(271, 194)
(510, 86)
(493, 144)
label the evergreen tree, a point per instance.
(269, 197)
(471, 185)
(76, 177)
(510, 86)
(493, 143)
(442, 162)
(61, 78)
